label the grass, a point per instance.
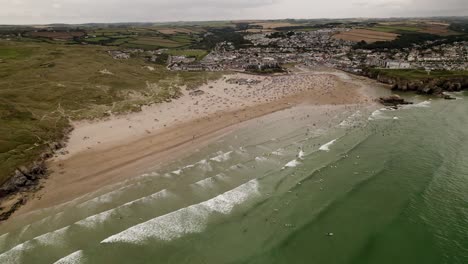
(395, 29)
(156, 43)
(120, 41)
(14, 53)
(146, 37)
(194, 53)
(96, 39)
(43, 86)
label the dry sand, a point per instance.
(107, 151)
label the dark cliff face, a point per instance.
(429, 85)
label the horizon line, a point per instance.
(229, 20)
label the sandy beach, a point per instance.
(103, 152)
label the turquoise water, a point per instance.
(365, 186)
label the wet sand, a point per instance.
(103, 152)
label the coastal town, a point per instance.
(269, 51)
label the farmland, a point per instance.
(273, 24)
(156, 42)
(368, 36)
(64, 35)
(142, 38)
(410, 27)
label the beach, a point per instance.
(284, 182)
(103, 152)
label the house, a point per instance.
(397, 65)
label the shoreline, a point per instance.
(98, 154)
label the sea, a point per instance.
(369, 185)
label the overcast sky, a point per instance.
(84, 11)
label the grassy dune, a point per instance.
(44, 86)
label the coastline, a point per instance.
(103, 152)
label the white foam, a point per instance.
(110, 196)
(424, 104)
(81, 201)
(237, 167)
(73, 258)
(188, 220)
(13, 255)
(3, 240)
(51, 238)
(278, 152)
(222, 177)
(147, 175)
(260, 159)
(177, 172)
(205, 165)
(58, 236)
(102, 217)
(222, 156)
(96, 219)
(292, 164)
(206, 183)
(106, 198)
(326, 147)
(23, 231)
(161, 194)
(378, 115)
(351, 120)
(301, 154)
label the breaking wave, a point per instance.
(188, 220)
(424, 104)
(222, 156)
(73, 258)
(326, 147)
(378, 115)
(292, 164)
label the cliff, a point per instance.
(428, 84)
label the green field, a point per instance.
(395, 29)
(97, 39)
(158, 42)
(194, 53)
(43, 86)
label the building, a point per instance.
(397, 65)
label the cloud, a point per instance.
(83, 11)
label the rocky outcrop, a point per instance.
(447, 97)
(8, 210)
(196, 93)
(430, 85)
(393, 100)
(17, 190)
(25, 181)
